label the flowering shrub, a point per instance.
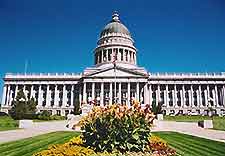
(160, 146)
(156, 143)
(75, 141)
(117, 127)
(63, 150)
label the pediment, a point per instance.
(120, 72)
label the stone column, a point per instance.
(192, 96)
(181, 98)
(110, 93)
(93, 91)
(16, 91)
(146, 94)
(184, 98)
(48, 97)
(56, 102)
(223, 96)
(198, 98)
(84, 93)
(131, 58)
(189, 98)
(137, 91)
(128, 94)
(166, 95)
(216, 96)
(107, 55)
(102, 52)
(39, 96)
(80, 96)
(208, 96)
(64, 101)
(128, 56)
(8, 95)
(124, 55)
(72, 96)
(119, 93)
(175, 95)
(158, 98)
(102, 94)
(32, 91)
(4, 95)
(150, 95)
(200, 95)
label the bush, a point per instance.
(75, 147)
(30, 116)
(45, 115)
(160, 146)
(117, 127)
(23, 107)
(65, 150)
(156, 143)
(57, 117)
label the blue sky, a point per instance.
(60, 35)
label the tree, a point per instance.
(156, 109)
(22, 108)
(31, 104)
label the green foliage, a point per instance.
(23, 108)
(77, 109)
(156, 109)
(187, 145)
(117, 127)
(7, 123)
(28, 146)
(57, 117)
(44, 115)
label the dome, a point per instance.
(115, 26)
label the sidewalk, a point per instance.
(37, 129)
(190, 128)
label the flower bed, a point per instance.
(114, 130)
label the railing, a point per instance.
(187, 75)
(44, 75)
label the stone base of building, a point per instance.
(63, 111)
(193, 111)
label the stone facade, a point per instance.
(116, 77)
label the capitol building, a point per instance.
(116, 77)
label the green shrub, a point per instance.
(117, 127)
(57, 117)
(44, 115)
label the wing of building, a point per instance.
(116, 77)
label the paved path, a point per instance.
(52, 126)
(190, 128)
(37, 129)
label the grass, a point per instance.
(218, 122)
(187, 145)
(26, 147)
(7, 123)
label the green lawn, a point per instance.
(218, 122)
(187, 145)
(7, 123)
(26, 147)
